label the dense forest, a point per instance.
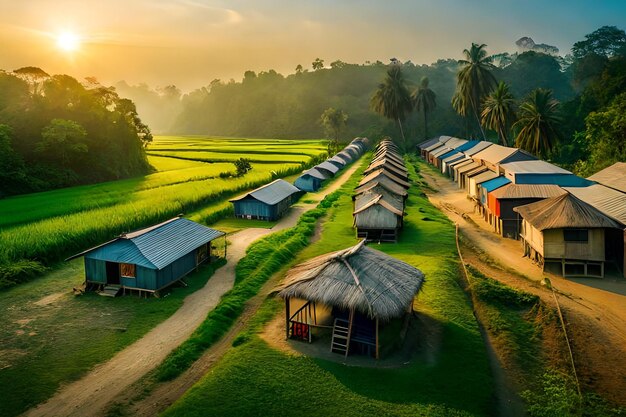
(57, 132)
(588, 85)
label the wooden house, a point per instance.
(311, 180)
(377, 218)
(567, 233)
(269, 202)
(150, 259)
(352, 297)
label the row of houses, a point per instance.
(567, 224)
(271, 201)
(379, 200)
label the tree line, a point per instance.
(57, 132)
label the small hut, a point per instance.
(269, 202)
(352, 293)
(388, 190)
(337, 161)
(150, 259)
(399, 170)
(568, 232)
(377, 218)
(311, 180)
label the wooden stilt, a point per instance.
(287, 315)
(351, 320)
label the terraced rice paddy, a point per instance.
(49, 226)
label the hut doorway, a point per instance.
(113, 273)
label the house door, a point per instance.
(113, 273)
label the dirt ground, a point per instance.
(596, 317)
(109, 381)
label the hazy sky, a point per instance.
(191, 42)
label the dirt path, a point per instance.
(596, 318)
(90, 395)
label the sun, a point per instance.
(68, 41)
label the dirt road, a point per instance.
(90, 395)
(596, 317)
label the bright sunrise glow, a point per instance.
(68, 41)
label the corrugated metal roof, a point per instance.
(476, 171)
(440, 151)
(609, 201)
(388, 155)
(533, 167)
(460, 162)
(156, 246)
(495, 183)
(564, 211)
(386, 164)
(467, 168)
(467, 145)
(528, 191)
(495, 153)
(387, 185)
(485, 176)
(482, 145)
(385, 173)
(612, 177)
(345, 156)
(315, 174)
(271, 193)
(428, 143)
(328, 167)
(454, 143)
(448, 154)
(338, 160)
(366, 200)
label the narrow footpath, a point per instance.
(89, 395)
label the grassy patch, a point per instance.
(253, 378)
(49, 338)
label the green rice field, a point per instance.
(46, 227)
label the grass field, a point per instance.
(254, 378)
(46, 227)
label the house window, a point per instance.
(127, 270)
(576, 235)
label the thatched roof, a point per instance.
(400, 173)
(359, 278)
(388, 155)
(565, 211)
(384, 162)
(369, 199)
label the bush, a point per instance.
(19, 271)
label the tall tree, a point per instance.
(317, 64)
(499, 112)
(606, 41)
(425, 100)
(334, 120)
(474, 81)
(392, 99)
(538, 123)
(62, 140)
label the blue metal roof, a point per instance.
(467, 145)
(271, 193)
(447, 154)
(494, 183)
(155, 247)
(328, 167)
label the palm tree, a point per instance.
(425, 100)
(499, 112)
(474, 82)
(538, 123)
(392, 99)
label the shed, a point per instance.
(612, 177)
(331, 169)
(150, 259)
(386, 174)
(389, 187)
(480, 146)
(476, 180)
(311, 180)
(451, 167)
(377, 218)
(483, 191)
(390, 156)
(503, 200)
(398, 172)
(345, 156)
(567, 232)
(426, 144)
(386, 162)
(269, 202)
(351, 294)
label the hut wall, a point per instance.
(252, 207)
(377, 217)
(510, 221)
(95, 270)
(555, 246)
(145, 278)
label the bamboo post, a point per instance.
(287, 315)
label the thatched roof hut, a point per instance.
(388, 186)
(382, 173)
(360, 280)
(377, 218)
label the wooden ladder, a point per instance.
(341, 336)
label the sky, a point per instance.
(191, 42)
